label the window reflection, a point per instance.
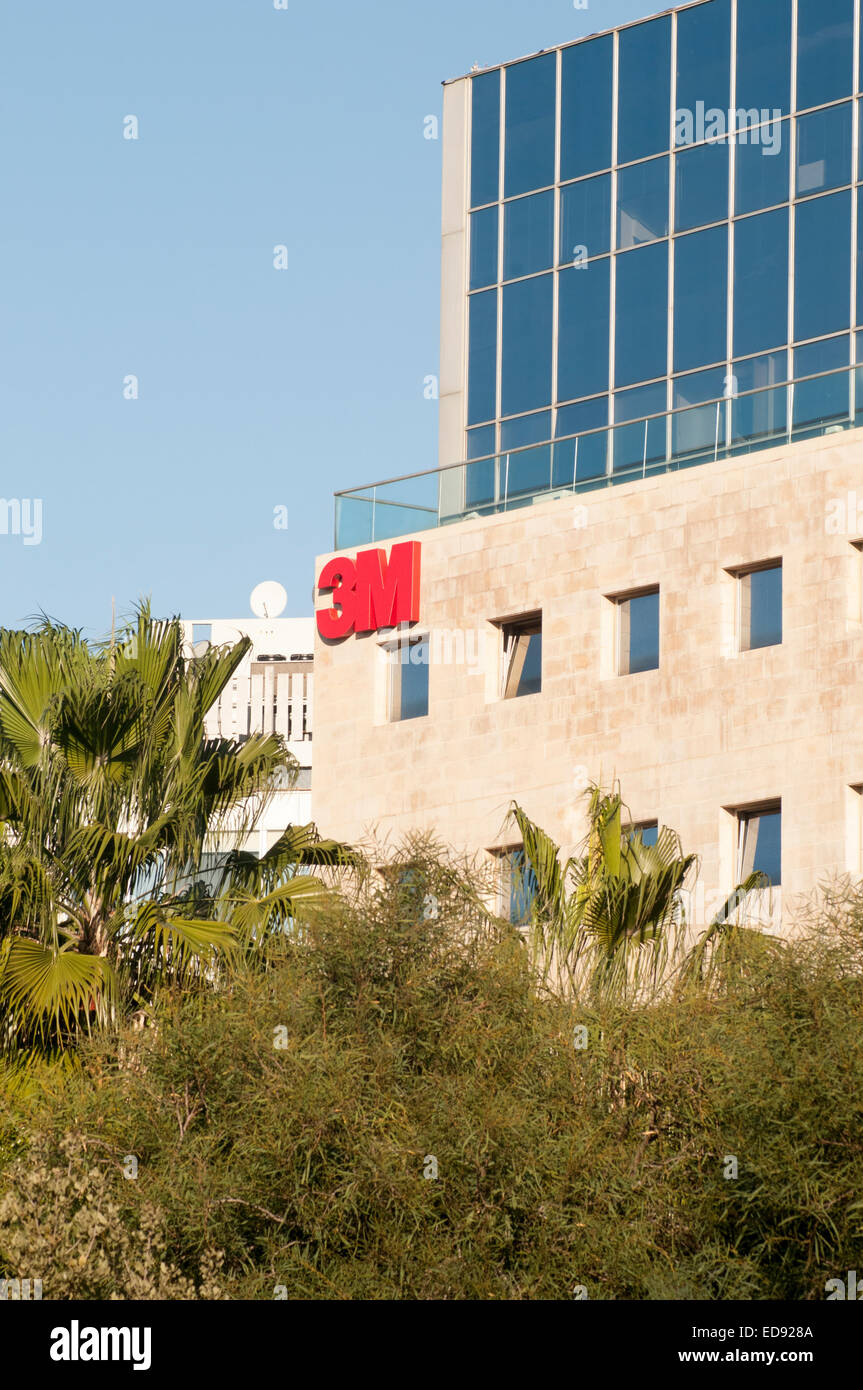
(822, 300)
(762, 171)
(644, 90)
(824, 51)
(642, 203)
(701, 186)
(527, 343)
(530, 113)
(700, 298)
(824, 149)
(583, 314)
(761, 282)
(586, 108)
(485, 138)
(585, 219)
(641, 319)
(528, 238)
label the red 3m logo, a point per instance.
(370, 593)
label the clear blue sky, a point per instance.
(154, 257)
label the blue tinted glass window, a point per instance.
(700, 298)
(585, 458)
(824, 398)
(528, 235)
(649, 834)
(582, 338)
(485, 139)
(762, 167)
(480, 442)
(585, 219)
(482, 357)
(822, 260)
(824, 149)
(765, 607)
(764, 55)
(642, 203)
(698, 424)
(637, 404)
(761, 282)
(701, 186)
(761, 846)
(522, 888)
(643, 634)
(704, 58)
(483, 248)
(201, 632)
(641, 319)
(644, 440)
(527, 345)
(699, 387)
(828, 355)
(586, 108)
(824, 51)
(759, 408)
(525, 429)
(530, 113)
(410, 681)
(644, 90)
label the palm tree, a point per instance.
(596, 911)
(114, 807)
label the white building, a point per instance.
(271, 692)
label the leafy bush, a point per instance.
(292, 1125)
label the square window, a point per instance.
(759, 843)
(648, 831)
(760, 607)
(522, 657)
(638, 633)
(408, 679)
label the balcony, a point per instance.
(739, 423)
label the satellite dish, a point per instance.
(269, 599)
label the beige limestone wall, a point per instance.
(713, 728)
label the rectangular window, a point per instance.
(528, 235)
(704, 57)
(700, 298)
(485, 139)
(517, 886)
(825, 51)
(202, 632)
(641, 317)
(522, 657)
(644, 90)
(764, 55)
(580, 459)
(761, 283)
(824, 150)
(584, 307)
(638, 633)
(760, 606)
(822, 258)
(530, 114)
(759, 843)
(527, 345)
(586, 108)
(642, 203)
(482, 357)
(762, 169)
(585, 219)
(648, 831)
(408, 679)
(701, 186)
(483, 248)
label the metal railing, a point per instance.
(735, 423)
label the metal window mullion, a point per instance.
(555, 259)
(501, 222)
(612, 268)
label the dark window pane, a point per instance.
(582, 349)
(649, 834)
(765, 607)
(703, 58)
(822, 266)
(764, 414)
(761, 282)
(526, 371)
(761, 846)
(585, 457)
(530, 103)
(824, 149)
(644, 90)
(482, 357)
(586, 108)
(825, 398)
(701, 193)
(522, 888)
(762, 168)
(764, 55)
(525, 429)
(485, 139)
(483, 248)
(641, 320)
(410, 678)
(699, 420)
(643, 633)
(585, 219)
(480, 442)
(700, 298)
(642, 203)
(824, 51)
(528, 235)
(643, 442)
(859, 265)
(479, 483)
